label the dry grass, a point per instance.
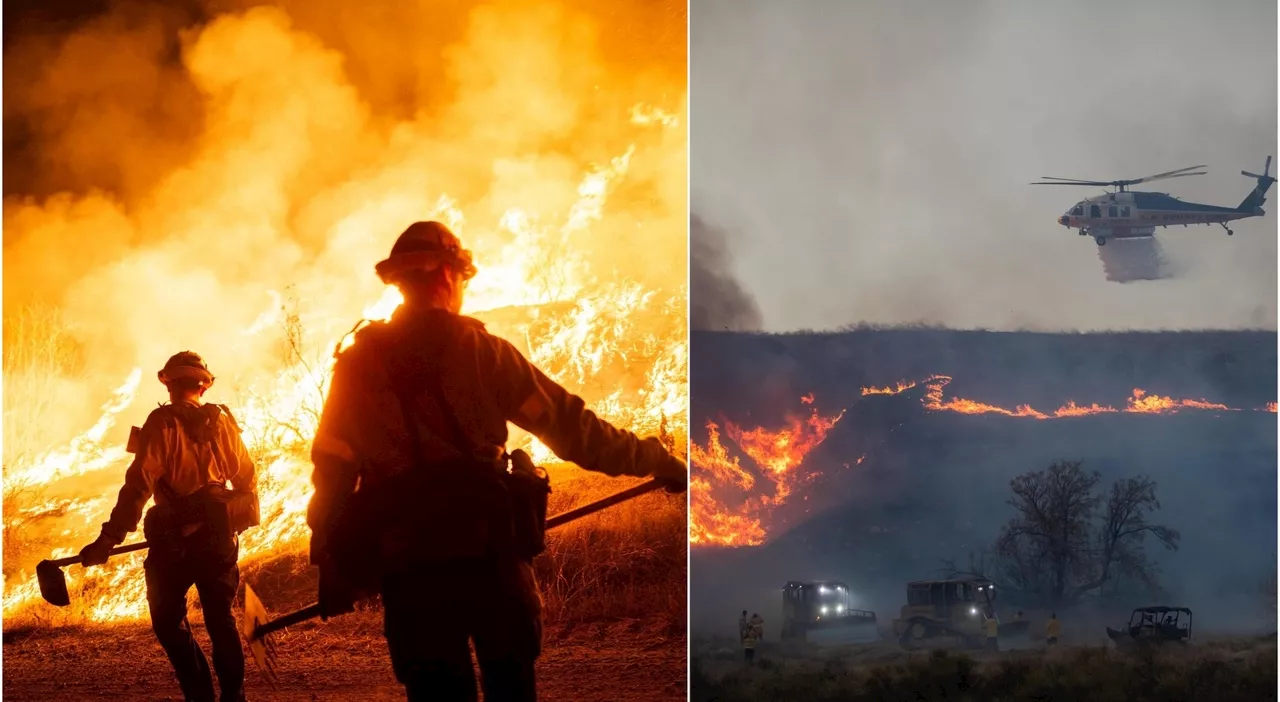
(627, 563)
(1222, 670)
(40, 358)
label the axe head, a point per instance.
(53, 584)
(255, 615)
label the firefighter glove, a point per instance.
(674, 475)
(337, 596)
(96, 553)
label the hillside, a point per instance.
(933, 484)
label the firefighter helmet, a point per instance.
(186, 364)
(426, 246)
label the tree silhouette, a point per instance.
(1068, 540)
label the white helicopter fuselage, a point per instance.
(1134, 214)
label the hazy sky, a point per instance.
(868, 161)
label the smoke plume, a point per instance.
(892, 143)
(717, 300)
(178, 172)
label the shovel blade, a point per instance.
(255, 615)
(53, 584)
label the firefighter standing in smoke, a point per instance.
(184, 454)
(416, 416)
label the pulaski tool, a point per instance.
(53, 582)
(256, 625)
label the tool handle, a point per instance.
(610, 501)
(72, 560)
(286, 620)
(312, 611)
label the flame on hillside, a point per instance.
(1139, 402)
(778, 455)
(725, 512)
(559, 274)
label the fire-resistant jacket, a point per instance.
(1053, 628)
(992, 626)
(165, 451)
(486, 382)
(753, 633)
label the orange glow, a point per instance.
(901, 386)
(778, 454)
(1139, 403)
(561, 171)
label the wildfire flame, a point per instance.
(778, 454)
(1140, 402)
(590, 313)
(743, 520)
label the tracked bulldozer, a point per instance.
(951, 614)
(822, 613)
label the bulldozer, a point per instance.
(951, 613)
(821, 613)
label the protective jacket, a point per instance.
(754, 632)
(180, 449)
(376, 395)
(1053, 628)
(992, 627)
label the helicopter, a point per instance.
(1127, 214)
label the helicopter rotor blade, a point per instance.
(1089, 183)
(1167, 174)
(1076, 180)
(1266, 171)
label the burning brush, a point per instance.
(256, 625)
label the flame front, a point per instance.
(1140, 402)
(258, 252)
(724, 512)
(778, 454)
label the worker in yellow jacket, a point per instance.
(992, 628)
(1052, 630)
(751, 636)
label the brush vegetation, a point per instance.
(1225, 670)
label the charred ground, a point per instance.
(933, 485)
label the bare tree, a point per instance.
(1067, 540)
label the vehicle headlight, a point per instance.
(839, 608)
(973, 610)
(824, 609)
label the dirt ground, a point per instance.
(345, 659)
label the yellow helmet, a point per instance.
(186, 364)
(426, 246)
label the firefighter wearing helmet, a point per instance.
(416, 416)
(184, 455)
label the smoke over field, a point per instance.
(932, 426)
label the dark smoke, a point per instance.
(717, 300)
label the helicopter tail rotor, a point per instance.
(1254, 200)
(1266, 171)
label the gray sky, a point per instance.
(868, 161)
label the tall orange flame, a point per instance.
(778, 454)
